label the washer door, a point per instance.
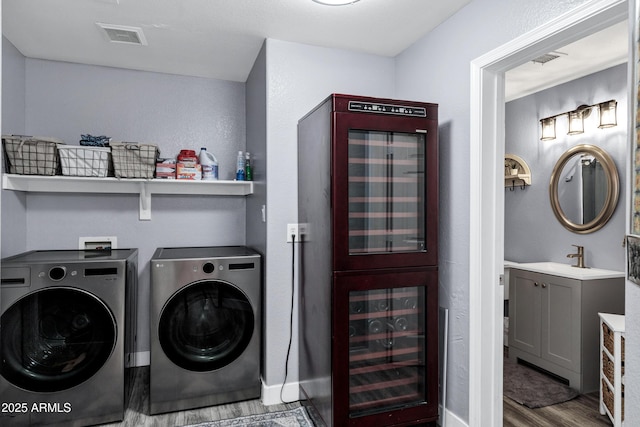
(206, 325)
(55, 339)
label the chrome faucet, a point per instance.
(579, 255)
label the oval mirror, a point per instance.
(584, 188)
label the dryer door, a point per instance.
(206, 325)
(55, 339)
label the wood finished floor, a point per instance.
(582, 411)
(137, 413)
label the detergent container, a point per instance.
(209, 165)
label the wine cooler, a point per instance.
(368, 309)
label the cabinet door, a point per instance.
(385, 348)
(560, 340)
(524, 311)
(385, 191)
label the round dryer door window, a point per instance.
(206, 326)
(55, 339)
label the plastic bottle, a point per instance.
(240, 167)
(209, 165)
(248, 170)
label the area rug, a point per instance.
(297, 417)
(533, 389)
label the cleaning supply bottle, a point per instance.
(248, 171)
(209, 165)
(240, 167)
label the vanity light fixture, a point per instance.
(608, 114)
(576, 119)
(336, 2)
(548, 129)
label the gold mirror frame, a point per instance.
(613, 189)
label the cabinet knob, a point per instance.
(535, 283)
(544, 285)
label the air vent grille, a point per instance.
(123, 34)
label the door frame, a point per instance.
(486, 234)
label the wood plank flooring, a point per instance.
(582, 411)
(137, 413)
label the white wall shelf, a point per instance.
(144, 187)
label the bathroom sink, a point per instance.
(567, 270)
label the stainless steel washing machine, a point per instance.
(67, 326)
(205, 327)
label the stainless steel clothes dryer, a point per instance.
(205, 327)
(67, 323)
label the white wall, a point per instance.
(437, 69)
(298, 78)
(532, 232)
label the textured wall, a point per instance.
(532, 232)
(437, 69)
(65, 100)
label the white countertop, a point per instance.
(567, 270)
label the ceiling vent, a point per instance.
(547, 57)
(123, 34)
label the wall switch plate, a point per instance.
(292, 230)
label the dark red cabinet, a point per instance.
(368, 201)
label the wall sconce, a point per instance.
(548, 129)
(576, 119)
(608, 114)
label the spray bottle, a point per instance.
(240, 167)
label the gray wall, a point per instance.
(437, 69)
(532, 232)
(13, 214)
(298, 78)
(65, 100)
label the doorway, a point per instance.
(487, 196)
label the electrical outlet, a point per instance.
(292, 230)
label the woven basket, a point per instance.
(607, 367)
(608, 398)
(133, 160)
(27, 155)
(607, 337)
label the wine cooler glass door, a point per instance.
(384, 191)
(390, 362)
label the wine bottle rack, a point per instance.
(385, 192)
(386, 349)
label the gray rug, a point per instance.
(297, 417)
(533, 389)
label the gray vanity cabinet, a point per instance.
(553, 323)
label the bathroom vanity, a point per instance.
(553, 318)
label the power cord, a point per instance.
(293, 272)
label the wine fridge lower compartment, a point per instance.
(394, 381)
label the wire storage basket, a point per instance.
(29, 155)
(133, 160)
(79, 160)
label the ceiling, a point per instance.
(221, 38)
(212, 38)
(591, 54)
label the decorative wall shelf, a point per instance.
(144, 187)
(516, 172)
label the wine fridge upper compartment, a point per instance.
(384, 184)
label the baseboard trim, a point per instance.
(451, 419)
(271, 393)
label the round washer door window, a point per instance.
(206, 326)
(55, 339)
